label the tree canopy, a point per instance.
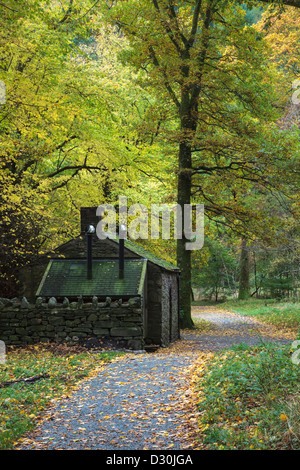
(162, 101)
(213, 74)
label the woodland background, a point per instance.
(162, 102)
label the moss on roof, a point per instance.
(68, 278)
(139, 250)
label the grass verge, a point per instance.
(21, 403)
(284, 315)
(248, 398)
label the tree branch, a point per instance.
(195, 23)
(84, 166)
(66, 141)
(202, 56)
(167, 27)
(206, 169)
(166, 82)
(8, 8)
(68, 12)
(173, 16)
(27, 379)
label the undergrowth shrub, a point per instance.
(247, 399)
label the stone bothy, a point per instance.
(95, 288)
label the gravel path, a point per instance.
(135, 402)
(229, 329)
(126, 406)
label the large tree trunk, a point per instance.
(188, 120)
(183, 255)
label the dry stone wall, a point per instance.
(22, 322)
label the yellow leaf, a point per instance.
(283, 417)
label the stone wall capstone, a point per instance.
(22, 322)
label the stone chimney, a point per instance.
(88, 217)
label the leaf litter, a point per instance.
(138, 401)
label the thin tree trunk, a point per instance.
(244, 281)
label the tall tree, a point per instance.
(63, 142)
(211, 71)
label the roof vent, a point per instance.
(89, 238)
(122, 235)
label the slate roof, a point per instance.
(131, 246)
(68, 278)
